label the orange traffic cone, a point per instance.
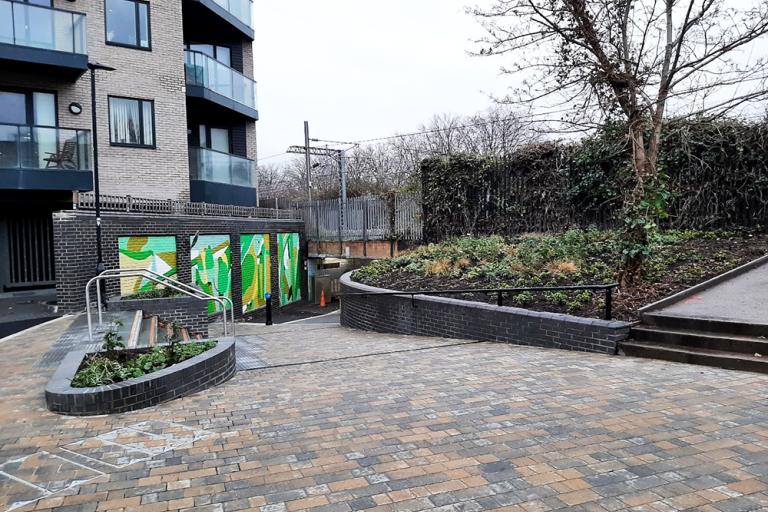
(322, 298)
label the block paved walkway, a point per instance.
(386, 423)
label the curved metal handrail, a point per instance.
(171, 283)
(189, 287)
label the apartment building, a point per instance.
(175, 115)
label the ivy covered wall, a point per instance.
(716, 172)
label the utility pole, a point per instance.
(343, 182)
(308, 162)
(337, 154)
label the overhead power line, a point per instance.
(438, 130)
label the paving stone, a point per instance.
(336, 420)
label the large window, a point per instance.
(131, 122)
(128, 23)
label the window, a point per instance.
(222, 54)
(128, 23)
(131, 122)
(27, 108)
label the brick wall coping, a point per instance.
(429, 315)
(205, 370)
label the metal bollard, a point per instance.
(268, 299)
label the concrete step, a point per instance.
(704, 324)
(699, 339)
(146, 333)
(700, 356)
(135, 330)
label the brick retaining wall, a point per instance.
(201, 372)
(461, 319)
(74, 234)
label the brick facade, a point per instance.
(75, 248)
(453, 318)
(158, 75)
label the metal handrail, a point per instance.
(189, 287)
(608, 288)
(171, 283)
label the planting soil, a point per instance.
(678, 261)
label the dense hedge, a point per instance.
(717, 174)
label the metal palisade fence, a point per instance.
(364, 218)
(129, 204)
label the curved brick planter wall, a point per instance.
(453, 318)
(186, 311)
(201, 372)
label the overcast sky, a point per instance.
(358, 69)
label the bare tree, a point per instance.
(636, 61)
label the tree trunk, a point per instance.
(636, 214)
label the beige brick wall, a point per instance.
(158, 75)
(250, 131)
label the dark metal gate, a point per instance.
(27, 242)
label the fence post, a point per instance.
(392, 205)
(608, 303)
(365, 227)
(341, 241)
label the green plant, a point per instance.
(112, 339)
(99, 371)
(158, 293)
(153, 361)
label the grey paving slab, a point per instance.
(741, 299)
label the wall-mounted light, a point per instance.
(76, 108)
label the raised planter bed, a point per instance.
(187, 311)
(462, 319)
(208, 369)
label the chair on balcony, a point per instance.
(64, 159)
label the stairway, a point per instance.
(723, 344)
(143, 331)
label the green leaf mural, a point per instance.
(157, 253)
(290, 276)
(211, 257)
(255, 261)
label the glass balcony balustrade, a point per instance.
(217, 167)
(240, 9)
(35, 26)
(207, 72)
(44, 148)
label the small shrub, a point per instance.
(102, 369)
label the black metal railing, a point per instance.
(501, 292)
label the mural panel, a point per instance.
(290, 274)
(255, 261)
(211, 258)
(156, 253)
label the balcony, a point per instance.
(221, 178)
(231, 16)
(41, 37)
(45, 158)
(217, 83)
